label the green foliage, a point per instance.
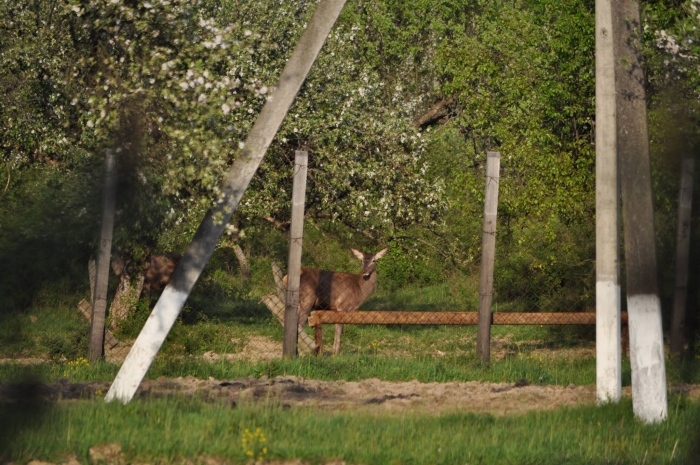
(522, 76)
(524, 79)
(671, 36)
(47, 222)
(366, 161)
(672, 30)
(175, 87)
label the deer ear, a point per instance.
(358, 254)
(381, 253)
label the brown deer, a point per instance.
(333, 290)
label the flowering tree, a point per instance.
(175, 86)
(367, 163)
(674, 29)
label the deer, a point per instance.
(334, 290)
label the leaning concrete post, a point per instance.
(239, 176)
(649, 399)
(607, 246)
(99, 304)
(296, 234)
(488, 257)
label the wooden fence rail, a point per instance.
(323, 317)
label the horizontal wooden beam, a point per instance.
(323, 317)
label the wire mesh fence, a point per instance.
(543, 298)
(220, 319)
(219, 322)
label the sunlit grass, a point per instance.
(177, 429)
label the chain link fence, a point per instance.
(220, 322)
(543, 298)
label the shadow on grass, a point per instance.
(23, 408)
(690, 371)
(239, 311)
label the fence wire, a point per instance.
(350, 313)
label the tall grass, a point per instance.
(178, 429)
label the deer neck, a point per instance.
(368, 284)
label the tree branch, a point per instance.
(365, 233)
(434, 115)
(279, 225)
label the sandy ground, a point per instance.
(367, 395)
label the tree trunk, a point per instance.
(242, 261)
(125, 299)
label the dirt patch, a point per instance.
(368, 395)
(567, 354)
(257, 349)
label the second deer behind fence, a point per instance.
(334, 290)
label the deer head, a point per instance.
(369, 261)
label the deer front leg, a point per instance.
(336, 340)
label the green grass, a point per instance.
(177, 429)
(222, 319)
(349, 367)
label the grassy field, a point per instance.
(53, 332)
(175, 430)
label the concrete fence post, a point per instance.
(488, 257)
(608, 302)
(296, 234)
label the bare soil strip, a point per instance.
(367, 395)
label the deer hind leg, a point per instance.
(336, 340)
